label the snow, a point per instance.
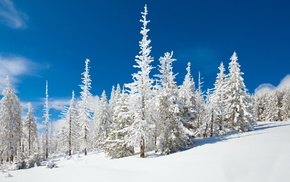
(259, 155)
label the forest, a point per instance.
(152, 113)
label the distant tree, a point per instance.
(238, 106)
(140, 91)
(85, 113)
(286, 105)
(11, 125)
(30, 132)
(272, 108)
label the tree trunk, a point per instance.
(142, 148)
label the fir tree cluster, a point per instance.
(152, 113)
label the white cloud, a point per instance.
(10, 16)
(58, 104)
(268, 88)
(15, 66)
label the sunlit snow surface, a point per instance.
(260, 155)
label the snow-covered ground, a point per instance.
(260, 155)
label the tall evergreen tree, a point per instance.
(238, 106)
(11, 125)
(218, 101)
(140, 92)
(46, 122)
(85, 113)
(187, 96)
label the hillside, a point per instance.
(260, 155)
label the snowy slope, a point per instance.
(260, 155)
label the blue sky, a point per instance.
(50, 40)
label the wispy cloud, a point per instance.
(10, 16)
(268, 88)
(16, 66)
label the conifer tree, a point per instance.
(172, 134)
(85, 113)
(69, 133)
(238, 106)
(140, 93)
(116, 146)
(30, 132)
(11, 125)
(187, 96)
(46, 122)
(102, 118)
(218, 101)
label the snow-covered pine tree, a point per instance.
(69, 133)
(11, 125)
(85, 113)
(200, 119)
(140, 91)
(30, 132)
(102, 118)
(172, 135)
(187, 96)
(46, 122)
(238, 106)
(115, 145)
(218, 101)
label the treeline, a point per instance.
(152, 113)
(273, 106)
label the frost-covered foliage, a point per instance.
(187, 96)
(30, 135)
(46, 122)
(140, 132)
(85, 112)
(11, 125)
(238, 106)
(68, 137)
(171, 135)
(151, 113)
(115, 145)
(272, 106)
(102, 119)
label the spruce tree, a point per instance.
(238, 106)
(11, 125)
(85, 113)
(140, 93)
(30, 132)
(46, 122)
